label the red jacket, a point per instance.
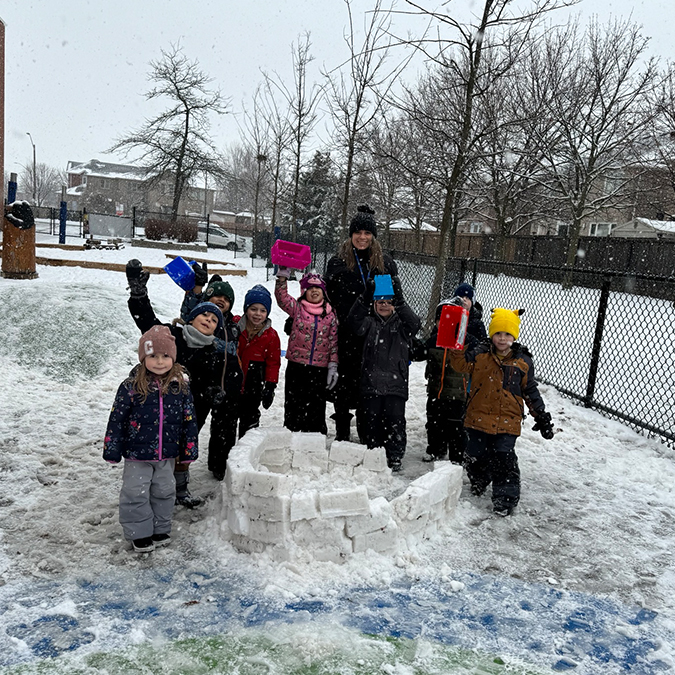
(264, 347)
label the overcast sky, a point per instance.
(76, 71)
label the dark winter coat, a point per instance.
(161, 427)
(343, 287)
(226, 342)
(205, 365)
(500, 387)
(386, 349)
(445, 382)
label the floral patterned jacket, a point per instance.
(161, 427)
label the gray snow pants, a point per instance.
(147, 498)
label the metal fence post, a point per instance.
(462, 270)
(597, 341)
(474, 276)
(133, 222)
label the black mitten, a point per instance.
(21, 215)
(544, 425)
(268, 394)
(369, 292)
(201, 274)
(137, 278)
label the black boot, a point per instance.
(342, 426)
(183, 496)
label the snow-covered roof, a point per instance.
(661, 225)
(406, 225)
(99, 169)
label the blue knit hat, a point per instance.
(258, 294)
(464, 291)
(203, 308)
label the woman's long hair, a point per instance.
(346, 252)
(144, 380)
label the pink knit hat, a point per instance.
(312, 279)
(158, 340)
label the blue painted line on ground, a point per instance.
(539, 624)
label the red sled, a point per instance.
(289, 254)
(452, 327)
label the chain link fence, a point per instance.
(602, 338)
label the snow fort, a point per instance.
(294, 497)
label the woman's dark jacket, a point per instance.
(386, 349)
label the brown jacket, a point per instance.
(499, 389)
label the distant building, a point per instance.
(104, 187)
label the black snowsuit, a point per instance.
(215, 380)
(384, 375)
(343, 287)
(446, 393)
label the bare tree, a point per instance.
(366, 72)
(594, 93)
(48, 183)
(461, 54)
(176, 142)
(303, 101)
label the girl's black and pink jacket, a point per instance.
(164, 426)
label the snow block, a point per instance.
(235, 476)
(304, 505)
(311, 461)
(308, 443)
(437, 511)
(276, 438)
(435, 483)
(321, 533)
(342, 472)
(351, 502)
(269, 532)
(454, 473)
(276, 456)
(277, 468)
(343, 452)
(384, 539)
(261, 484)
(274, 509)
(411, 504)
(380, 514)
(237, 521)
(375, 459)
(413, 528)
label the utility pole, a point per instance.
(34, 170)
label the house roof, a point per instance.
(660, 225)
(99, 169)
(405, 225)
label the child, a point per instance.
(312, 352)
(152, 425)
(384, 371)
(447, 389)
(207, 366)
(502, 378)
(260, 355)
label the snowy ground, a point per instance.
(581, 578)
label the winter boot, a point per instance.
(342, 426)
(144, 545)
(163, 539)
(183, 496)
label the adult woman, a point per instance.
(360, 257)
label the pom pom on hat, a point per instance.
(363, 220)
(203, 308)
(158, 340)
(506, 321)
(258, 294)
(220, 289)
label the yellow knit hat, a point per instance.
(506, 321)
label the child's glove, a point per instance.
(20, 215)
(283, 273)
(201, 274)
(268, 394)
(544, 425)
(137, 278)
(369, 292)
(332, 375)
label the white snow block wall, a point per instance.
(290, 495)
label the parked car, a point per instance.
(218, 237)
